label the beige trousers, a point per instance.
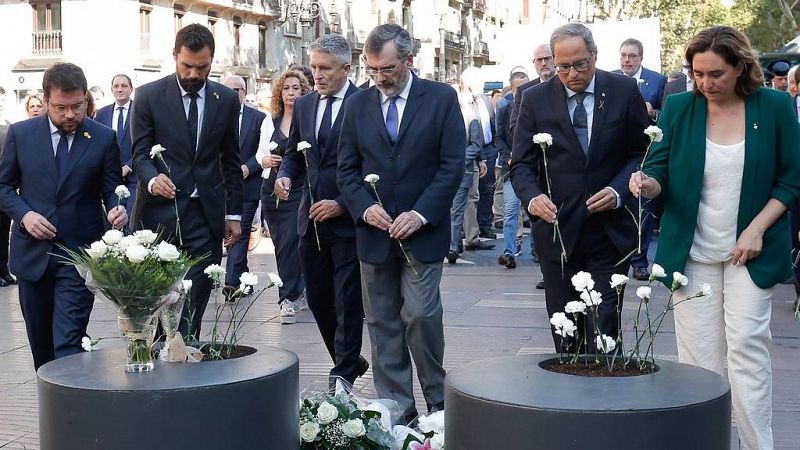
(734, 325)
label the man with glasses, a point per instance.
(545, 68)
(57, 172)
(410, 133)
(597, 121)
(328, 256)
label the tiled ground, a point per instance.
(489, 311)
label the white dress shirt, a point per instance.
(337, 105)
(126, 108)
(485, 119)
(55, 137)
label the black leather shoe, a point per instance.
(8, 278)
(452, 257)
(540, 285)
(507, 260)
(3, 283)
(641, 274)
(363, 366)
(479, 246)
(487, 234)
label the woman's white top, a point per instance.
(267, 128)
(715, 231)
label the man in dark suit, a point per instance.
(56, 172)
(545, 68)
(596, 120)
(249, 132)
(651, 86)
(410, 132)
(327, 235)
(195, 120)
(117, 117)
(676, 83)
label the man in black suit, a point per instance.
(249, 132)
(545, 68)
(195, 120)
(597, 121)
(117, 117)
(327, 235)
(56, 172)
(410, 133)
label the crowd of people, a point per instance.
(367, 190)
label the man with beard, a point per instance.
(327, 235)
(55, 171)
(195, 120)
(410, 133)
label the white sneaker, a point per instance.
(287, 313)
(300, 303)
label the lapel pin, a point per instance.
(755, 126)
(216, 96)
(602, 100)
(87, 135)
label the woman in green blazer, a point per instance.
(727, 169)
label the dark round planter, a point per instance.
(87, 402)
(512, 403)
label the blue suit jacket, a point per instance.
(72, 204)
(652, 87)
(321, 163)
(421, 172)
(105, 115)
(249, 135)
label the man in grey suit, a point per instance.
(410, 132)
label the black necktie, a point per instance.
(62, 154)
(325, 126)
(120, 125)
(579, 122)
(192, 120)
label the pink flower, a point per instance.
(418, 446)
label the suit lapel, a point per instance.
(209, 113)
(559, 94)
(76, 151)
(126, 128)
(247, 116)
(376, 114)
(312, 113)
(333, 142)
(599, 113)
(751, 143)
(174, 104)
(413, 104)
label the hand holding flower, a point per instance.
(117, 217)
(602, 201)
(324, 210)
(163, 187)
(377, 217)
(282, 187)
(541, 206)
(641, 184)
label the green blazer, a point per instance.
(771, 170)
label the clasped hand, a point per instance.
(402, 227)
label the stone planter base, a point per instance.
(87, 402)
(513, 404)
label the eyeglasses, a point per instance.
(628, 56)
(372, 71)
(62, 109)
(542, 59)
(579, 66)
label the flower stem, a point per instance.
(399, 241)
(311, 197)
(175, 201)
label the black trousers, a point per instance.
(486, 193)
(5, 228)
(333, 291)
(596, 254)
(282, 223)
(198, 240)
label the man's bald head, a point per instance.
(236, 83)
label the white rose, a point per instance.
(248, 279)
(609, 346)
(122, 191)
(97, 249)
(582, 281)
(136, 253)
(214, 271)
(575, 307)
(327, 413)
(657, 272)
(302, 146)
(654, 133)
(592, 298)
(128, 241)
(145, 237)
(543, 138)
(643, 292)
(167, 251)
(112, 237)
(618, 280)
(372, 178)
(679, 279)
(155, 151)
(309, 431)
(186, 286)
(275, 279)
(354, 428)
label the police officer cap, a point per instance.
(780, 68)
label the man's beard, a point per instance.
(191, 85)
(396, 88)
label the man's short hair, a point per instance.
(63, 76)
(635, 42)
(382, 34)
(518, 76)
(130, 83)
(335, 45)
(194, 37)
(573, 30)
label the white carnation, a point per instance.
(679, 279)
(274, 279)
(654, 133)
(302, 146)
(618, 280)
(354, 428)
(136, 253)
(643, 292)
(558, 319)
(155, 151)
(372, 178)
(145, 237)
(271, 146)
(112, 237)
(122, 191)
(248, 279)
(582, 281)
(609, 346)
(543, 138)
(705, 290)
(327, 413)
(575, 307)
(592, 298)
(567, 328)
(215, 272)
(97, 250)
(88, 344)
(186, 286)
(309, 431)
(657, 272)
(167, 251)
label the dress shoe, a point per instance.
(363, 366)
(540, 285)
(487, 234)
(479, 246)
(507, 260)
(8, 278)
(452, 257)
(641, 274)
(3, 283)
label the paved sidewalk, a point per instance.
(489, 311)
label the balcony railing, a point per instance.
(453, 41)
(144, 43)
(480, 49)
(47, 43)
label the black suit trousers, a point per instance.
(198, 241)
(333, 290)
(596, 254)
(486, 192)
(282, 223)
(5, 228)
